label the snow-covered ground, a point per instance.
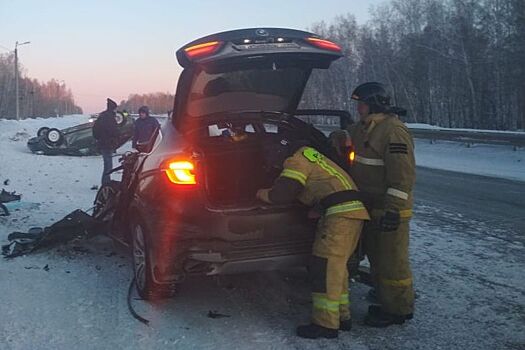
(488, 160)
(468, 272)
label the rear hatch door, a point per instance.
(251, 69)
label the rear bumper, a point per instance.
(221, 243)
(210, 258)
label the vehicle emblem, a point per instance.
(261, 32)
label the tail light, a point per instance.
(324, 44)
(181, 172)
(202, 50)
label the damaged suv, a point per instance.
(186, 204)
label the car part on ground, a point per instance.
(6, 197)
(75, 225)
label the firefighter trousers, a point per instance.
(390, 266)
(335, 241)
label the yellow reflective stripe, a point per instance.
(369, 161)
(335, 173)
(397, 193)
(294, 174)
(345, 299)
(345, 207)
(397, 283)
(314, 156)
(323, 303)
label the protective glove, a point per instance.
(390, 220)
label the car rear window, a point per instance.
(251, 89)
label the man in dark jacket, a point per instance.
(105, 132)
(145, 127)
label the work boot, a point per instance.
(378, 318)
(345, 325)
(313, 331)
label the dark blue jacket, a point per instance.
(144, 129)
(105, 131)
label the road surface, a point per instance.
(467, 252)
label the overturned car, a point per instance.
(77, 140)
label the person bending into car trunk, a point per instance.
(317, 181)
(105, 132)
(144, 128)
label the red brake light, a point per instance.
(204, 49)
(181, 172)
(324, 44)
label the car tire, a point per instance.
(141, 253)
(42, 131)
(54, 137)
(105, 202)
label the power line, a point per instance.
(2, 46)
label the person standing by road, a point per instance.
(315, 180)
(105, 132)
(145, 127)
(384, 170)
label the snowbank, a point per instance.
(488, 160)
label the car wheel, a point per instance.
(105, 202)
(141, 254)
(42, 131)
(120, 119)
(54, 137)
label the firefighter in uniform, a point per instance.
(317, 181)
(384, 169)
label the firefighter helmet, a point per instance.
(373, 94)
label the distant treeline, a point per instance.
(453, 63)
(42, 99)
(158, 102)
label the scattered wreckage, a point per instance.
(7, 197)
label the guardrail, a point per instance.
(470, 137)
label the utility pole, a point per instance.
(16, 79)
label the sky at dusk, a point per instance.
(115, 48)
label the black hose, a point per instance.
(130, 307)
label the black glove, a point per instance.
(390, 221)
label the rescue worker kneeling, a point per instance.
(316, 181)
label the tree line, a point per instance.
(42, 99)
(158, 102)
(453, 63)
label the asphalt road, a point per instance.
(467, 253)
(494, 201)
